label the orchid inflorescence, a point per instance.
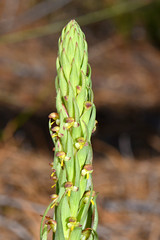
(75, 210)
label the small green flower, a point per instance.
(62, 156)
(54, 177)
(69, 187)
(86, 233)
(56, 132)
(54, 118)
(80, 143)
(52, 223)
(86, 170)
(87, 196)
(54, 198)
(70, 122)
(72, 223)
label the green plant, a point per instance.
(75, 210)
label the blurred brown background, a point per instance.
(124, 53)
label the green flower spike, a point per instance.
(75, 209)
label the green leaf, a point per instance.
(74, 202)
(66, 41)
(70, 163)
(58, 101)
(81, 206)
(70, 48)
(76, 110)
(89, 217)
(65, 214)
(89, 155)
(81, 46)
(93, 236)
(90, 94)
(81, 97)
(65, 30)
(59, 235)
(84, 62)
(85, 131)
(45, 232)
(57, 63)
(82, 155)
(70, 101)
(85, 44)
(60, 48)
(63, 85)
(74, 76)
(85, 118)
(66, 65)
(92, 121)
(45, 213)
(85, 210)
(56, 83)
(75, 196)
(83, 184)
(88, 76)
(76, 234)
(61, 180)
(74, 32)
(95, 222)
(63, 130)
(77, 172)
(76, 131)
(64, 111)
(77, 57)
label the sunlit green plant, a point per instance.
(75, 210)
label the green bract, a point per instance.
(75, 210)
